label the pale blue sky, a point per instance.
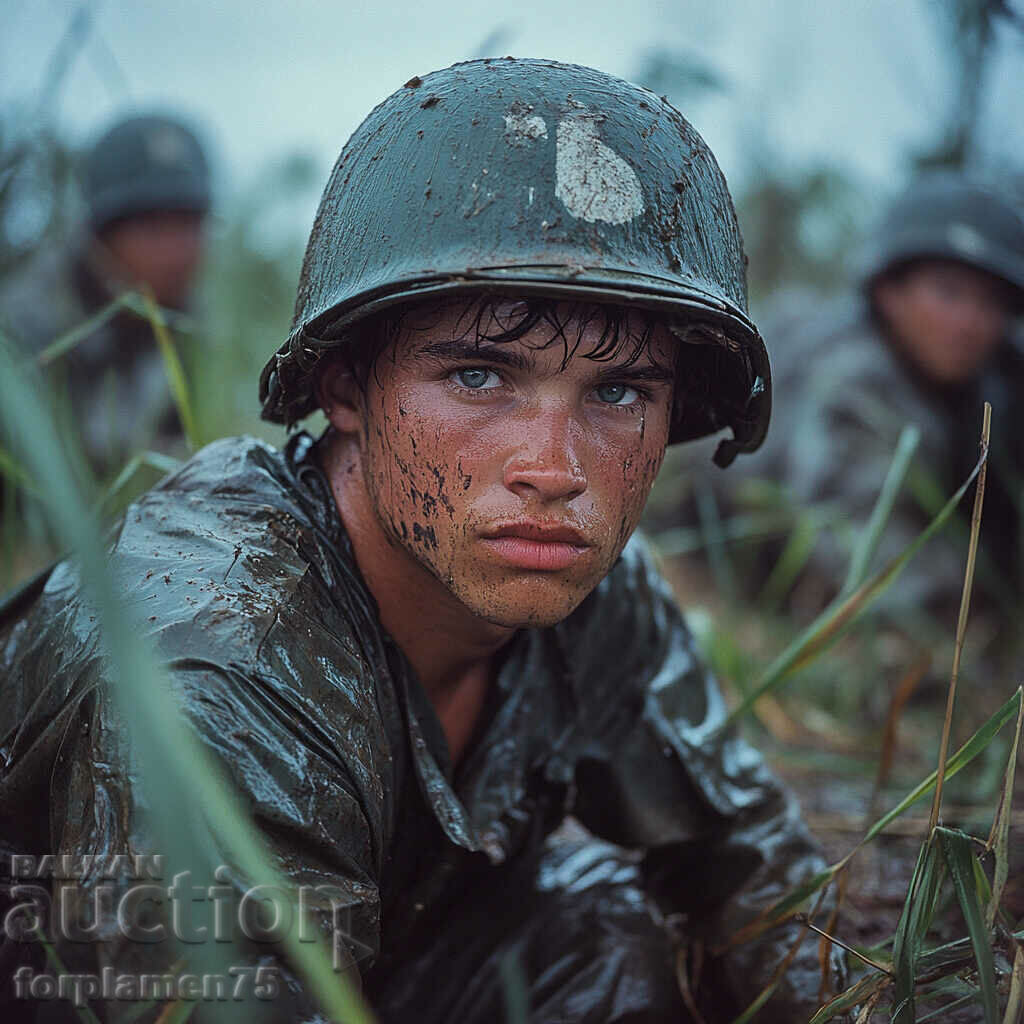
(857, 82)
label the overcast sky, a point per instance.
(858, 82)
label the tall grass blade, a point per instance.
(960, 859)
(178, 773)
(790, 563)
(967, 753)
(155, 460)
(965, 605)
(685, 989)
(867, 542)
(83, 1013)
(916, 916)
(71, 339)
(12, 470)
(830, 940)
(176, 1013)
(999, 837)
(762, 997)
(862, 989)
(684, 540)
(904, 691)
(1015, 1002)
(711, 527)
(868, 1008)
(828, 626)
(784, 908)
(943, 1011)
(777, 975)
(175, 371)
(792, 901)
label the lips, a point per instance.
(539, 546)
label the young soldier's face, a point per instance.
(500, 475)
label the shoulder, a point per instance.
(221, 551)
(228, 572)
(835, 335)
(240, 592)
(839, 377)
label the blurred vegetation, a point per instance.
(244, 309)
(838, 697)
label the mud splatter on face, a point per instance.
(468, 440)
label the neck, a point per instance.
(451, 650)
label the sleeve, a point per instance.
(723, 839)
(125, 913)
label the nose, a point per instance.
(544, 465)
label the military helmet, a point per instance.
(145, 163)
(530, 178)
(948, 216)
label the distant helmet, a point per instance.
(529, 178)
(143, 164)
(946, 216)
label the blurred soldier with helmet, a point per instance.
(928, 337)
(421, 640)
(146, 186)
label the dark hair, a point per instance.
(710, 369)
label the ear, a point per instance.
(339, 395)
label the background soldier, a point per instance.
(146, 185)
(926, 339)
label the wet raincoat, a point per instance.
(273, 641)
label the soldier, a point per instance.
(146, 185)
(420, 641)
(927, 338)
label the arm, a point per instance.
(723, 838)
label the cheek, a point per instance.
(627, 475)
(415, 484)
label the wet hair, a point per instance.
(709, 367)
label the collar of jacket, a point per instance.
(482, 805)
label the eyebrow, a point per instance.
(651, 373)
(470, 351)
(502, 355)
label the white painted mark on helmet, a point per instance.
(965, 239)
(593, 181)
(521, 125)
(166, 144)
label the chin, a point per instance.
(530, 604)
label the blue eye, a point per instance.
(616, 394)
(476, 378)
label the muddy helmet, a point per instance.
(145, 163)
(530, 178)
(948, 216)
